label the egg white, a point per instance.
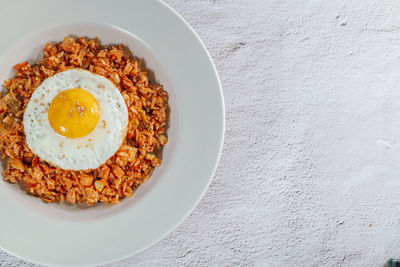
(83, 153)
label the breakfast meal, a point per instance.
(83, 125)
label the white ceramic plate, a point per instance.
(55, 234)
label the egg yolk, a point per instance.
(74, 113)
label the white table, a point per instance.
(310, 172)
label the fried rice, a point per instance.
(130, 166)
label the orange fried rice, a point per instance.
(131, 165)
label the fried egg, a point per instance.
(75, 120)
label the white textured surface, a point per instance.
(310, 169)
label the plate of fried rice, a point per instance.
(111, 128)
